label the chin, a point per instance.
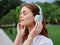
(23, 24)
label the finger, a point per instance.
(35, 26)
(33, 30)
(37, 29)
(17, 24)
(20, 26)
(41, 26)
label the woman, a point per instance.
(29, 30)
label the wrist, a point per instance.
(30, 38)
(19, 35)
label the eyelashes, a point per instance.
(23, 13)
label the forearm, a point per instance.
(18, 40)
(29, 41)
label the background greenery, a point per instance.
(9, 14)
(53, 33)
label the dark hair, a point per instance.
(35, 11)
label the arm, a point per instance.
(34, 32)
(18, 40)
(29, 41)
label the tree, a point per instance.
(7, 5)
(51, 12)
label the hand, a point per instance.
(36, 30)
(20, 29)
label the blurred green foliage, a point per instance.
(53, 33)
(11, 17)
(10, 11)
(51, 12)
(7, 5)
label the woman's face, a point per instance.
(26, 16)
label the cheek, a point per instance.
(29, 19)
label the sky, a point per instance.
(29, 1)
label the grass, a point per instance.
(53, 32)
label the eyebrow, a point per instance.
(23, 12)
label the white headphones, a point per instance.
(39, 17)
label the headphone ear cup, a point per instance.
(37, 18)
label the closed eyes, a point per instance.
(24, 12)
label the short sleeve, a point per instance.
(42, 40)
(46, 42)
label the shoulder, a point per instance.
(42, 40)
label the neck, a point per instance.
(30, 27)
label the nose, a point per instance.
(20, 16)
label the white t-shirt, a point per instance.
(42, 40)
